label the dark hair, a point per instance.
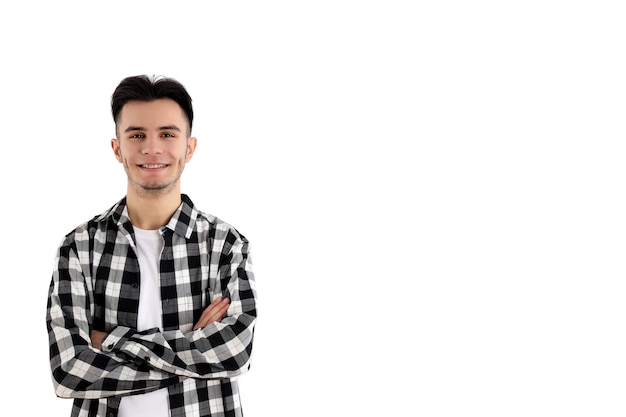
(144, 88)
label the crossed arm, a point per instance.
(213, 313)
(130, 361)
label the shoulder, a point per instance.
(85, 231)
(219, 229)
(205, 223)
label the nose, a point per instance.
(151, 145)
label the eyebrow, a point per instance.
(139, 128)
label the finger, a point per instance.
(214, 312)
(205, 321)
(215, 307)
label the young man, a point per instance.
(152, 304)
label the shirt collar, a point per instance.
(182, 221)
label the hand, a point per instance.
(214, 312)
(96, 338)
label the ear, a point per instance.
(191, 147)
(115, 145)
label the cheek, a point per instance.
(121, 157)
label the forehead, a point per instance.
(154, 113)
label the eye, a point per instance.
(137, 136)
(167, 135)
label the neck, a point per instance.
(150, 211)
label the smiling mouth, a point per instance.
(153, 166)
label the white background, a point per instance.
(433, 191)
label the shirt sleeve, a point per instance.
(220, 350)
(78, 369)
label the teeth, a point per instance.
(153, 165)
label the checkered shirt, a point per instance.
(95, 285)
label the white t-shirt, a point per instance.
(149, 247)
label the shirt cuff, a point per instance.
(112, 339)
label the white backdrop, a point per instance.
(433, 191)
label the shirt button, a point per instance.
(146, 358)
(134, 285)
(110, 347)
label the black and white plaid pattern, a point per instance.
(95, 285)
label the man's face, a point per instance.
(152, 144)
